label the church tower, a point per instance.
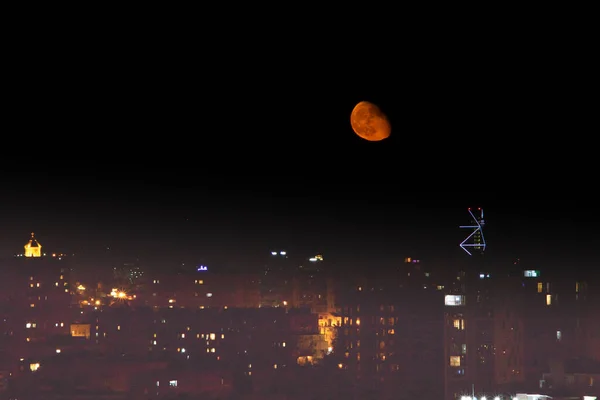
(33, 248)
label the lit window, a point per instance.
(454, 300)
(455, 361)
(548, 299)
(459, 324)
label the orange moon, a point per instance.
(369, 122)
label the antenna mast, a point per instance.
(475, 240)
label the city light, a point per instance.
(120, 294)
(299, 315)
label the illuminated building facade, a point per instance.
(560, 321)
(254, 343)
(36, 298)
(417, 275)
(33, 248)
(311, 287)
(483, 337)
(502, 332)
(309, 345)
(276, 279)
(297, 283)
(201, 289)
(390, 337)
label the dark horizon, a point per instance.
(256, 163)
(356, 227)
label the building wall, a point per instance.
(390, 338)
(37, 303)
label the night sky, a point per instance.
(223, 163)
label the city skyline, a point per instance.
(227, 335)
(233, 228)
(229, 235)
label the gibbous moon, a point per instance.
(369, 122)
